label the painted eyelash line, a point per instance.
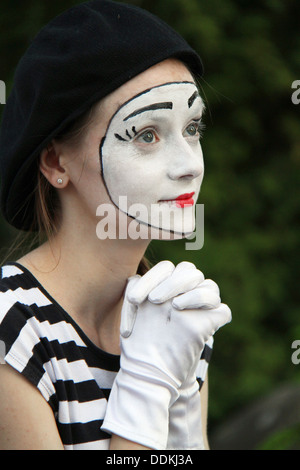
(200, 126)
(130, 137)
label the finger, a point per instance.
(206, 295)
(184, 265)
(129, 313)
(210, 321)
(200, 297)
(187, 265)
(208, 283)
(182, 280)
(220, 316)
(150, 281)
(129, 310)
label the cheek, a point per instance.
(90, 176)
(86, 181)
(127, 172)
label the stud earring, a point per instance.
(60, 181)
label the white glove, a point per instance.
(185, 429)
(155, 361)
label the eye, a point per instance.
(194, 129)
(147, 137)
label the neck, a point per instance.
(87, 277)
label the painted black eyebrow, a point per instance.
(192, 98)
(151, 107)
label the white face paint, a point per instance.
(151, 158)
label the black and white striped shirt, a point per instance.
(41, 341)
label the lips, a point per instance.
(183, 200)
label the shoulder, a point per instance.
(21, 408)
(21, 306)
(16, 288)
(22, 325)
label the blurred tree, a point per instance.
(250, 50)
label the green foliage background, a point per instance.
(251, 53)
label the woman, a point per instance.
(104, 113)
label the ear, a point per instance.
(51, 167)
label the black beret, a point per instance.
(78, 58)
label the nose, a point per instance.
(186, 162)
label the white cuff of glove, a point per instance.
(159, 345)
(139, 411)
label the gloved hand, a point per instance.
(159, 346)
(168, 282)
(185, 421)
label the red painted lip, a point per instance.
(183, 200)
(185, 196)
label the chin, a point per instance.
(145, 230)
